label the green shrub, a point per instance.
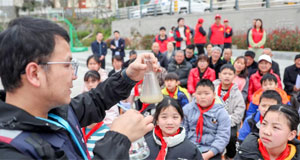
(147, 41)
(82, 34)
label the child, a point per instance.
(276, 137)
(234, 103)
(252, 123)
(241, 75)
(173, 89)
(268, 82)
(117, 63)
(167, 140)
(206, 121)
(93, 63)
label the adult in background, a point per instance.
(162, 39)
(253, 26)
(171, 36)
(170, 51)
(200, 36)
(257, 38)
(252, 66)
(181, 67)
(275, 66)
(215, 61)
(190, 56)
(38, 116)
(117, 45)
(182, 35)
(264, 67)
(228, 34)
(162, 58)
(290, 76)
(132, 57)
(99, 49)
(217, 32)
(209, 47)
(227, 56)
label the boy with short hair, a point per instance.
(117, 63)
(206, 121)
(172, 88)
(234, 103)
(268, 82)
(253, 122)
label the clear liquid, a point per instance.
(151, 99)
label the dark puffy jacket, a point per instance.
(192, 60)
(217, 66)
(249, 149)
(290, 77)
(162, 59)
(83, 110)
(183, 150)
(182, 70)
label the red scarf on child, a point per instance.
(136, 88)
(162, 153)
(199, 127)
(144, 106)
(171, 94)
(265, 154)
(227, 94)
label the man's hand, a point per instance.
(295, 89)
(136, 70)
(101, 58)
(112, 46)
(133, 125)
(207, 155)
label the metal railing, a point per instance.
(189, 6)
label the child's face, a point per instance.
(226, 76)
(265, 104)
(204, 96)
(91, 83)
(239, 65)
(117, 64)
(274, 131)
(93, 65)
(171, 84)
(269, 85)
(169, 121)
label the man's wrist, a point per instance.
(126, 78)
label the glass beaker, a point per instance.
(139, 149)
(151, 92)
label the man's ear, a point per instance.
(178, 83)
(32, 73)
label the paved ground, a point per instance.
(284, 59)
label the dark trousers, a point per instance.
(231, 147)
(227, 45)
(200, 48)
(103, 63)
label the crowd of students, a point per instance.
(214, 106)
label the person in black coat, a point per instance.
(99, 49)
(275, 66)
(132, 57)
(215, 61)
(162, 59)
(252, 66)
(290, 76)
(117, 45)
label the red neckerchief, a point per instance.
(136, 88)
(162, 153)
(227, 94)
(171, 94)
(144, 106)
(95, 128)
(199, 127)
(265, 154)
(261, 118)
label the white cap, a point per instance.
(265, 57)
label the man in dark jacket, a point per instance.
(252, 66)
(181, 67)
(162, 59)
(215, 61)
(290, 76)
(37, 71)
(190, 56)
(117, 45)
(99, 49)
(275, 66)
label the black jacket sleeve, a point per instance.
(113, 146)
(202, 31)
(176, 37)
(104, 49)
(90, 107)
(228, 34)
(9, 152)
(209, 33)
(287, 80)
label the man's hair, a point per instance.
(191, 46)
(271, 94)
(172, 76)
(116, 31)
(227, 66)
(206, 83)
(268, 77)
(26, 40)
(162, 28)
(179, 19)
(179, 51)
(132, 52)
(250, 54)
(118, 58)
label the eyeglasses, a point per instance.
(74, 64)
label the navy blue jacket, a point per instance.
(95, 48)
(120, 48)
